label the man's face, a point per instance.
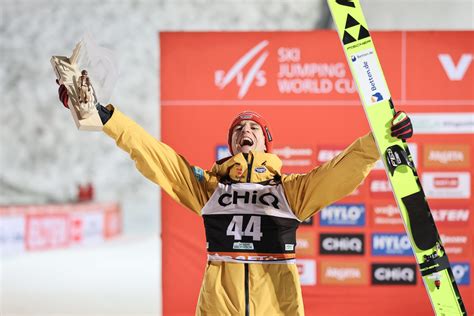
(247, 136)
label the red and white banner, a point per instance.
(44, 227)
(301, 84)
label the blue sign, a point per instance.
(343, 215)
(461, 272)
(391, 244)
(222, 151)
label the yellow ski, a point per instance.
(375, 96)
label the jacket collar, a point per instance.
(253, 167)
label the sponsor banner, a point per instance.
(391, 244)
(439, 185)
(449, 65)
(454, 215)
(254, 66)
(42, 227)
(307, 271)
(445, 156)
(372, 84)
(343, 273)
(393, 274)
(341, 244)
(380, 187)
(296, 159)
(12, 234)
(47, 231)
(305, 243)
(457, 244)
(112, 223)
(343, 215)
(443, 123)
(86, 228)
(298, 90)
(386, 214)
(461, 272)
(326, 153)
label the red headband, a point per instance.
(257, 118)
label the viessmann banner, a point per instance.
(353, 255)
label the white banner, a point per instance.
(455, 185)
(443, 123)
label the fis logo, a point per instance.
(395, 244)
(254, 75)
(393, 274)
(343, 215)
(341, 244)
(461, 272)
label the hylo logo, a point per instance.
(461, 273)
(391, 244)
(343, 215)
(253, 75)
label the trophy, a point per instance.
(89, 67)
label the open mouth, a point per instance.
(246, 142)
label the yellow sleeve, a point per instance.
(159, 163)
(335, 179)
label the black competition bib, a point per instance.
(248, 222)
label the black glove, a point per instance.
(401, 126)
(104, 113)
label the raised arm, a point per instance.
(335, 179)
(160, 163)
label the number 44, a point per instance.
(253, 228)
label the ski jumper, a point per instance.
(250, 212)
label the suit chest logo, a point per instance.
(247, 197)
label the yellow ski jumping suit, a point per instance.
(251, 212)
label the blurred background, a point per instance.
(48, 165)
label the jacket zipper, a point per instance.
(249, 169)
(246, 265)
(247, 307)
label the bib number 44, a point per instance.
(253, 228)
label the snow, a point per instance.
(119, 277)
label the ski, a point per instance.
(375, 97)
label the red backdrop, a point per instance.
(300, 83)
